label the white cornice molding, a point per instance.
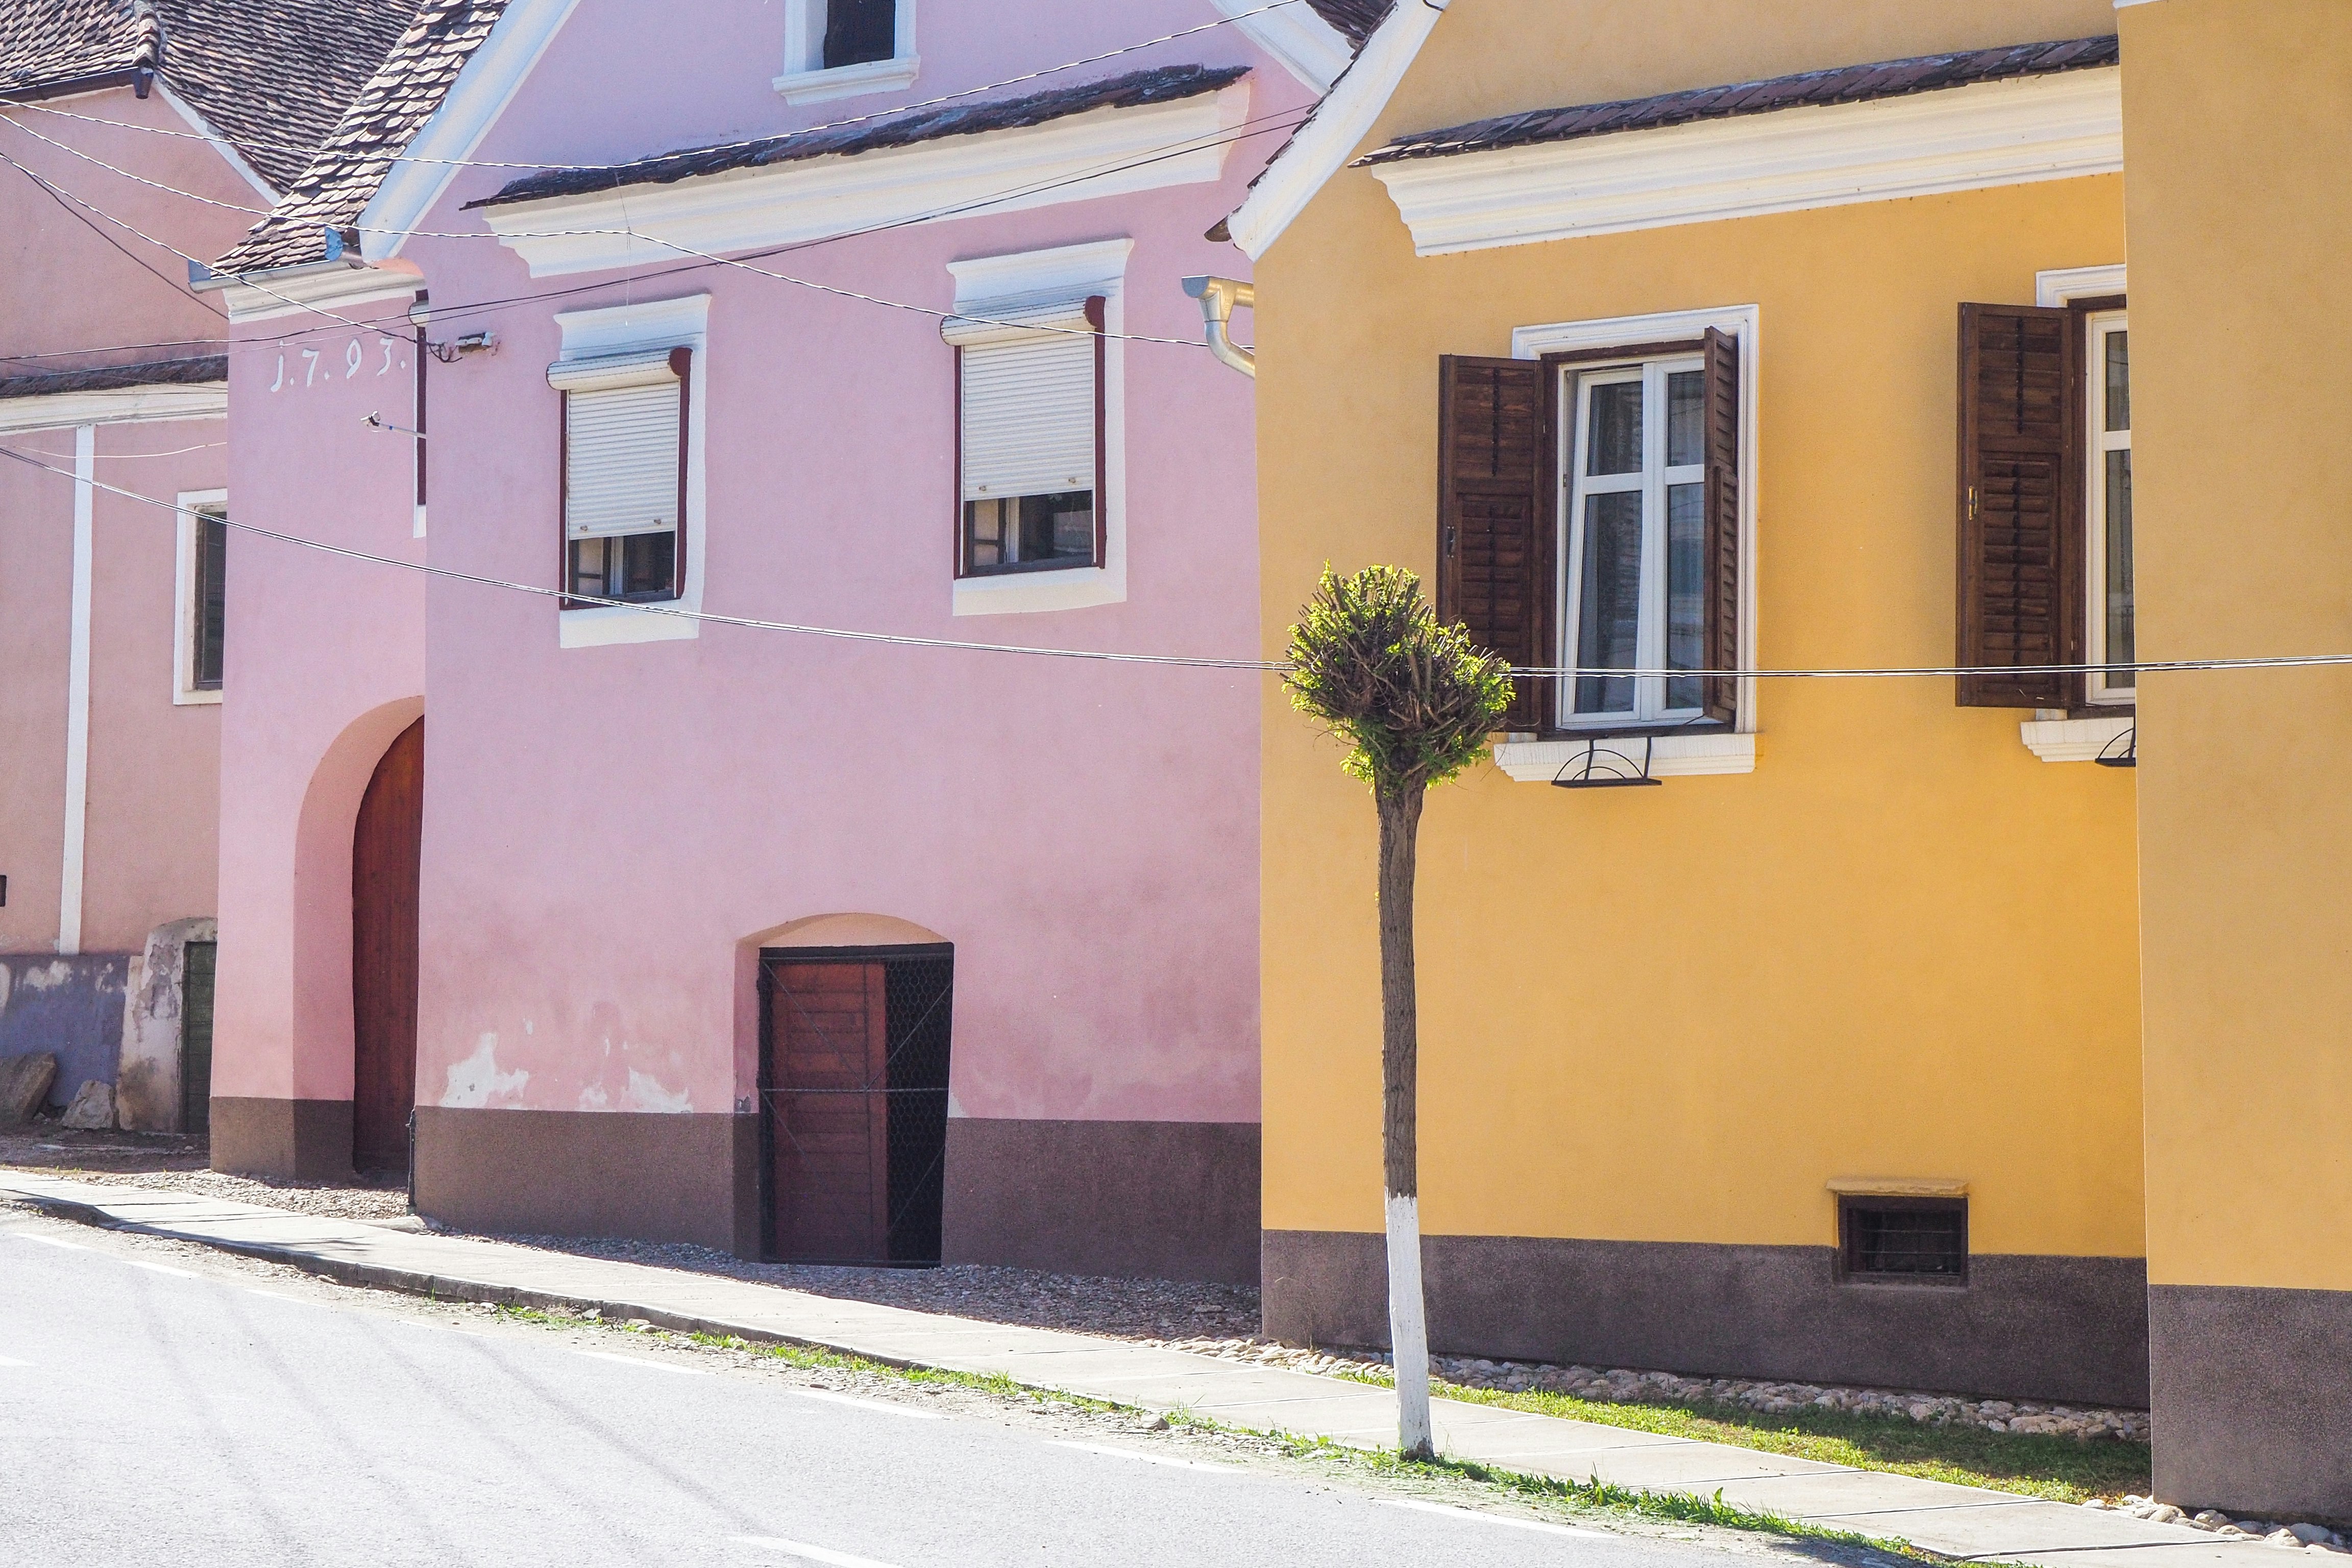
(485, 85)
(1669, 756)
(1081, 157)
(2073, 740)
(333, 287)
(115, 405)
(849, 82)
(220, 144)
(2061, 284)
(1341, 121)
(1994, 134)
(1295, 37)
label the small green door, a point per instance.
(197, 1038)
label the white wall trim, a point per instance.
(1670, 757)
(2054, 127)
(220, 144)
(77, 823)
(2060, 285)
(117, 405)
(484, 87)
(319, 294)
(1295, 38)
(1181, 142)
(680, 322)
(184, 691)
(2071, 739)
(1745, 323)
(805, 79)
(1341, 121)
(1100, 267)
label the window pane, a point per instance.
(1686, 590)
(984, 536)
(212, 601)
(648, 562)
(2118, 372)
(1058, 527)
(856, 31)
(1613, 445)
(1608, 617)
(1685, 418)
(588, 567)
(2121, 642)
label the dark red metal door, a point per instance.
(828, 1068)
(386, 848)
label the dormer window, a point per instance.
(837, 48)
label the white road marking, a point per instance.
(274, 1296)
(12, 1361)
(1168, 1459)
(48, 1240)
(163, 1268)
(1493, 1519)
(650, 1365)
(811, 1553)
(887, 1409)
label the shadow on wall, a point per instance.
(70, 1006)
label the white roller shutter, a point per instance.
(1028, 398)
(621, 453)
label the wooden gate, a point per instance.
(196, 1038)
(386, 849)
(854, 1080)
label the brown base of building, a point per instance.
(2069, 1328)
(2252, 1399)
(282, 1140)
(643, 1175)
(1166, 1200)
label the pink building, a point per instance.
(132, 136)
(686, 928)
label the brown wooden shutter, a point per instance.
(1722, 544)
(1491, 518)
(2019, 499)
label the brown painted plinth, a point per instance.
(282, 1140)
(638, 1175)
(2022, 1327)
(2252, 1399)
(1166, 1200)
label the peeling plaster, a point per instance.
(593, 1098)
(40, 977)
(477, 1081)
(646, 1093)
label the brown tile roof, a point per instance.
(271, 76)
(1848, 84)
(160, 373)
(1163, 85)
(331, 192)
(1352, 19)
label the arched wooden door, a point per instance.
(386, 848)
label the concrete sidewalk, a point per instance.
(1958, 1522)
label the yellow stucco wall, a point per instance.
(2241, 258)
(1903, 946)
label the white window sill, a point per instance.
(1670, 757)
(1024, 592)
(2073, 739)
(603, 626)
(194, 698)
(848, 81)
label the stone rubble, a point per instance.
(2291, 1537)
(1622, 1385)
(92, 1109)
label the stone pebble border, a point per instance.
(2299, 1537)
(1622, 1385)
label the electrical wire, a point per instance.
(175, 452)
(1270, 667)
(718, 147)
(136, 260)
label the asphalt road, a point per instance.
(159, 1407)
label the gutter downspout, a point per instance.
(1220, 297)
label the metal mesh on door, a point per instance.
(919, 993)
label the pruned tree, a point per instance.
(1414, 700)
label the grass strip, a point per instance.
(2060, 1469)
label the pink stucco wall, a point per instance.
(73, 301)
(610, 832)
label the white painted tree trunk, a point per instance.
(1408, 1333)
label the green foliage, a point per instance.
(1413, 697)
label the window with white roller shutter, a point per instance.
(624, 453)
(1029, 434)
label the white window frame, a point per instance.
(1574, 388)
(682, 322)
(2100, 687)
(185, 693)
(1078, 271)
(805, 78)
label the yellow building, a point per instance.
(1800, 1034)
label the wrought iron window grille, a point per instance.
(1606, 768)
(2122, 752)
